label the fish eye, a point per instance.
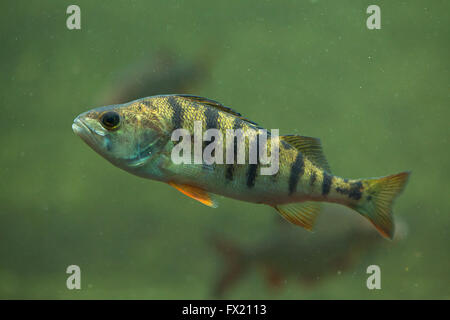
(110, 120)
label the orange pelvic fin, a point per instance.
(196, 193)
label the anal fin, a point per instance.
(196, 193)
(301, 213)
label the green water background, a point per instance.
(379, 101)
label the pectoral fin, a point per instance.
(302, 213)
(196, 193)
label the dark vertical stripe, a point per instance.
(229, 172)
(313, 178)
(297, 169)
(212, 122)
(237, 123)
(326, 184)
(178, 110)
(356, 190)
(212, 118)
(251, 175)
(253, 168)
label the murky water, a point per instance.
(378, 100)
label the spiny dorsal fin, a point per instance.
(302, 213)
(310, 147)
(214, 104)
(196, 193)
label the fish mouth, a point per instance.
(82, 130)
(78, 126)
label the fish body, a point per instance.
(137, 137)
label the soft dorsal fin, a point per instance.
(214, 104)
(195, 193)
(310, 147)
(302, 213)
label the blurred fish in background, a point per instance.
(162, 72)
(340, 243)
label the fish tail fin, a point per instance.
(376, 205)
(234, 269)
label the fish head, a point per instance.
(127, 135)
